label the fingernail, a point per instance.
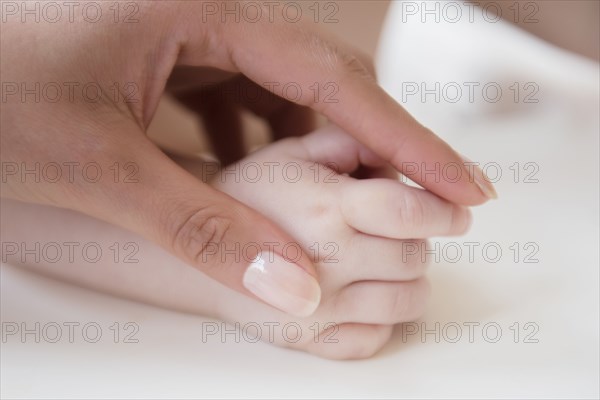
(282, 284)
(480, 179)
(485, 185)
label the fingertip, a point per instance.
(480, 180)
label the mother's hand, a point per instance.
(78, 95)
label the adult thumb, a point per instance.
(208, 229)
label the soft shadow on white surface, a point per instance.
(559, 294)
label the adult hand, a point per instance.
(81, 83)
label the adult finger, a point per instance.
(282, 52)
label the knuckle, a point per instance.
(412, 211)
(324, 50)
(369, 65)
(353, 65)
(333, 58)
(198, 235)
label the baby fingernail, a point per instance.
(481, 180)
(282, 284)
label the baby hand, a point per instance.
(356, 232)
(360, 234)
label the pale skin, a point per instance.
(172, 48)
(355, 232)
(169, 49)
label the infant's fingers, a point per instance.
(370, 258)
(384, 207)
(350, 341)
(373, 302)
(330, 145)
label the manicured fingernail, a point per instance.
(480, 179)
(485, 185)
(282, 284)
